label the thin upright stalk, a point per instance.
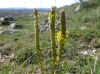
(63, 32)
(52, 17)
(62, 35)
(37, 30)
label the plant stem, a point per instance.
(63, 34)
(39, 54)
(52, 16)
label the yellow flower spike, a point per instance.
(52, 18)
(62, 35)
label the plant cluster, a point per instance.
(61, 37)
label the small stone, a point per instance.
(83, 52)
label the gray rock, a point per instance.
(1, 28)
(45, 25)
(12, 26)
(10, 31)
(83, 52)
(1, 19)
(78, 8)
(2, 31)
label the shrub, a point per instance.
(5, 23)
(94, 2)
(89, 3)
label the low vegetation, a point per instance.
(82, 49)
